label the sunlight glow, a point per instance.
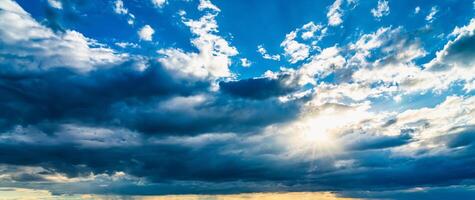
(318, 132)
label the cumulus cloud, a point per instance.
(45, 48)
(334, 13)
(455, 61)
(381, 10)
(310, 29)
(146, 33)
(297, 51)
(310, 34)
(206, 4)
(212, 60)
(245, 62)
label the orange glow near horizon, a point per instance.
(27, 194)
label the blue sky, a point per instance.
(357, 99)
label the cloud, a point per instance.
(334, 13)
(213, 57)
(245, 62)
(265, 55)
(78, 117)
(206, 4)
(417, 10)
(55, 4)
(159, 3)
(310, 29)
(310, 35)
(297, 51)
(381, 10)
(146, 33)
(126, 45)
(456, 53)
(321, 64)
(258, 88)
(433, 11)
(119, 8)
(39, 48)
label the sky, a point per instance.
(228, 100)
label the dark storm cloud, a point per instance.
(123, 96)
(157, 163)
(378, 142)
(258, 88)
(165, 163)
(379, 171)
(62, 94)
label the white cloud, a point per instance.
(433, 11)
(28, 38)
(55, 4)
(200, 65)
(310, 34)
(309, 30)
(449, 117)
(127, 44)
(265, 55)
(297, 51)
(381, 10)
(245, 62)
(469, 86)
(206, 4)
(146, 33)
(395, 70)
(334, 13)
(119, 7)
(213, 59)
(322, 64)
(131, 19)
(159, 3)
(417, 10)
(454, 63)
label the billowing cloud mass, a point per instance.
(237, 100)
